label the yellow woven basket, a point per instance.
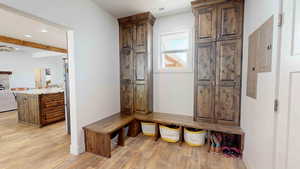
(169, 134)
(194, 138)
(148, 128)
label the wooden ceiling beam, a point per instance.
(5, 73)
(14, 41)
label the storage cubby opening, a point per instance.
(227, 144)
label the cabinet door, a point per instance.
(140, 98)
(140, 62)
(227, 106)
(206, 24)
(230, 21)
(205, 80)
(127, 98)
(126, 36)
(126, 64)
(140, 36)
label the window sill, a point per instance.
(174, 71)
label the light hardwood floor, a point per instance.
(26, 147)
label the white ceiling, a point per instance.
(122, 8)
(16, 26)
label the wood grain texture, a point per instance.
(126, 97)
(5, 73)
(205, 81)
(6, 39)
(28, 109)
(40, 110)
(136, 63)
(227, 106)
(187, 121)
(218, 60)
(110, 124)
(206, 21)
(24, 147)
(230, 21)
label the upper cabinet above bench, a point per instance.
(218, 22)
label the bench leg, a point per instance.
(99, 144)
(134, 128)
(157, 133)
(121, 138)
(180, 135)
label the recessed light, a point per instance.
(28, 36)
(44, 30)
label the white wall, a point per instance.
(173, 92)
(257, 118)
(96, 58)
(23, 65)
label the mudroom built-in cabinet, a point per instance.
(217, 62)
(136, 63)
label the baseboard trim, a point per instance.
(77, 150)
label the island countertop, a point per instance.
(41, 91)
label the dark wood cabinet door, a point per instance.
(126, 60)
(205, 80)
(206, 24)
(205, 62)
(227, 106)
(126, 36)
(205, 102)
(140, 98)
(230, 21)
(140, 62)
(140, 36)
(127, 98)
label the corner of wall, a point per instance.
(76, 150)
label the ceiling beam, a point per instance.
(14, 41)
(5, 73)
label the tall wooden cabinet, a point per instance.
(218, 45)
(136, 34)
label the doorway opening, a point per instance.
(35, 72)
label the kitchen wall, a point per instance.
(257, 118)
(96, 62)
(23, 65)
(173, 91)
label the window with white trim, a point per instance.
(175, 52)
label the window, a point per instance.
(175, 52)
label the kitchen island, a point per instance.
(40, 107)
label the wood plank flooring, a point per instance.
(26, 147)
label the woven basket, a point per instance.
(148, 128)
(169, 134)
(194, 138)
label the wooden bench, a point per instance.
(188, 121)
(98, 135)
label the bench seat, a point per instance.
(110, 124)
(98, 135)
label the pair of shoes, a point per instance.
(216, 140)
(229, 147)
(231, 152)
